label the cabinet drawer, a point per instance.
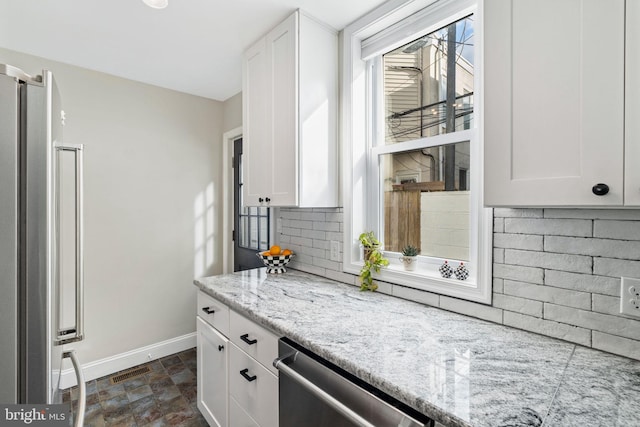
(254, 388)
(238, 417)
(214, 312)
(254, 340)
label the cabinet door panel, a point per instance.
(282, 44)
(256, 168)
(554, 97)
(632, 106)
(212, 374)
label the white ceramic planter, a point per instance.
(409, 262)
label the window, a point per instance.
(413, 167)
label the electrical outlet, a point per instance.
(335, 251)
(630, 297)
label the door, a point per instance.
(9, 173)
(250, 224)
(554, 98)
(632, 105)
(282, 58)
(212, 374)
(256, 125)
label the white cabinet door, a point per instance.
(554, 99)
(290, 92)
(632, 106)
(212, 374)
(257, 150)
(283, 59)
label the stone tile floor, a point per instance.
(166, 396)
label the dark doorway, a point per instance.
(250, 224)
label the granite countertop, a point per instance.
(458, 370)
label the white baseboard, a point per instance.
(129, 359)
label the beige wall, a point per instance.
(152, 186)
(232, 117)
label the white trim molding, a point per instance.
(227, 196)
(111, 365)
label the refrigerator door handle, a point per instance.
(82, 389)
(76, 333)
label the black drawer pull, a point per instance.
(246, 339)
(247, 376)
(220, 347)
(208, 310)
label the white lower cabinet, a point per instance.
(212, 374)
(236, 387)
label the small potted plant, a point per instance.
(373, 258)
(409, 257)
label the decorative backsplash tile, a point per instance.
(556, 272)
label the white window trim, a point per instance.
(357, 131)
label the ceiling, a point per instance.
(192, 46)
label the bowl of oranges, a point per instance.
(275, 259)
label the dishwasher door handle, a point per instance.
(318, 392)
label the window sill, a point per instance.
(426, 277)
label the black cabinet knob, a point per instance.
(220, 347)
(260, 199)
(600, 189)
(267, 200)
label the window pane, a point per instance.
(422, 97)
(244, 232)
(264, 232)
(253, 230)
(426, 202)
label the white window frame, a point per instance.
(381, 28)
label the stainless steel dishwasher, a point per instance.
(316, 393)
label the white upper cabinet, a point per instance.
(554, 91)
(632, 105)
(290, 98)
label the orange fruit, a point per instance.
(287, 252)
(266, 253)
(275, 250)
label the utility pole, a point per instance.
(450, 150)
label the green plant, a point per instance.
(374, 260)
(368, 240)
(410, 251)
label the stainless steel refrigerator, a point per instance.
(41, 241)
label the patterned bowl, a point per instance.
(275, 263)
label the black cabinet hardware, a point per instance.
(600, 189)
(246, 339)
(220, 347)
(208, 310)
(247, 376)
